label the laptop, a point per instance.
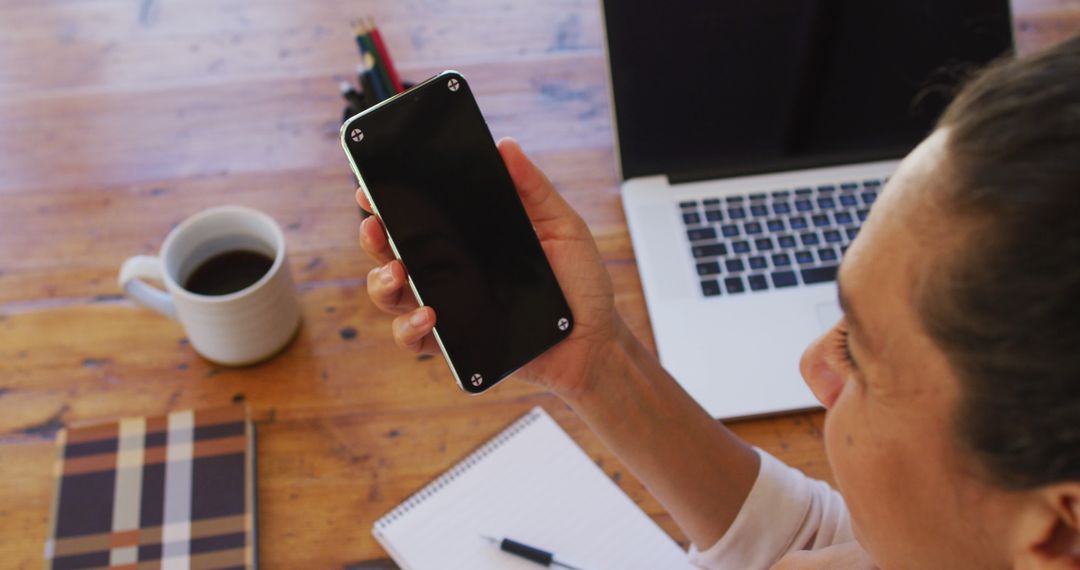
(752, 140)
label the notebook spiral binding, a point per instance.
(458, 470)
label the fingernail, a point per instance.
(418, 318)
(386, 274)
(363, 233)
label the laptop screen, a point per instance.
(707, 88)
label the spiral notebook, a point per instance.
(533, 484)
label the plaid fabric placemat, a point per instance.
(174, 491)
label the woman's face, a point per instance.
(914, 499)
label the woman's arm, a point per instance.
(692, 464)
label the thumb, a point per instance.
(542, 202)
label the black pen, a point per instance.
(529, 552)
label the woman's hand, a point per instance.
(572, 254)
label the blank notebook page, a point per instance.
(533, 484)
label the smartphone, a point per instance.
(426, 161)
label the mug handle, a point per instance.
(132, 273)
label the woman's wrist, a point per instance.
(666, 439)
(604, 358)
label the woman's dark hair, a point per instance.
(1005, 306)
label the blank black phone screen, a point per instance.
(448, 203)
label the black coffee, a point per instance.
(228, 272)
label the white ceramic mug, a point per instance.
(236, 329)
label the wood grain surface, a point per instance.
(120, 119)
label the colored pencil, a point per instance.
(384, 87)
(379, 68)
(395, 80)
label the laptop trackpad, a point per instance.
(828, 313)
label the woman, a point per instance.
(952, 382)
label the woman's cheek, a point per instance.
(842, 449)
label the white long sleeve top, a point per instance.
(785, 511)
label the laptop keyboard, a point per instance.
(773, 240)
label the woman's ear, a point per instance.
(1048, 533)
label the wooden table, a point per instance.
(119, 119)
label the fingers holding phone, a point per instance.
(362, 201)
(389, 291)
(412, 331)
(374, 241)
(387, 287)
(387, 283)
